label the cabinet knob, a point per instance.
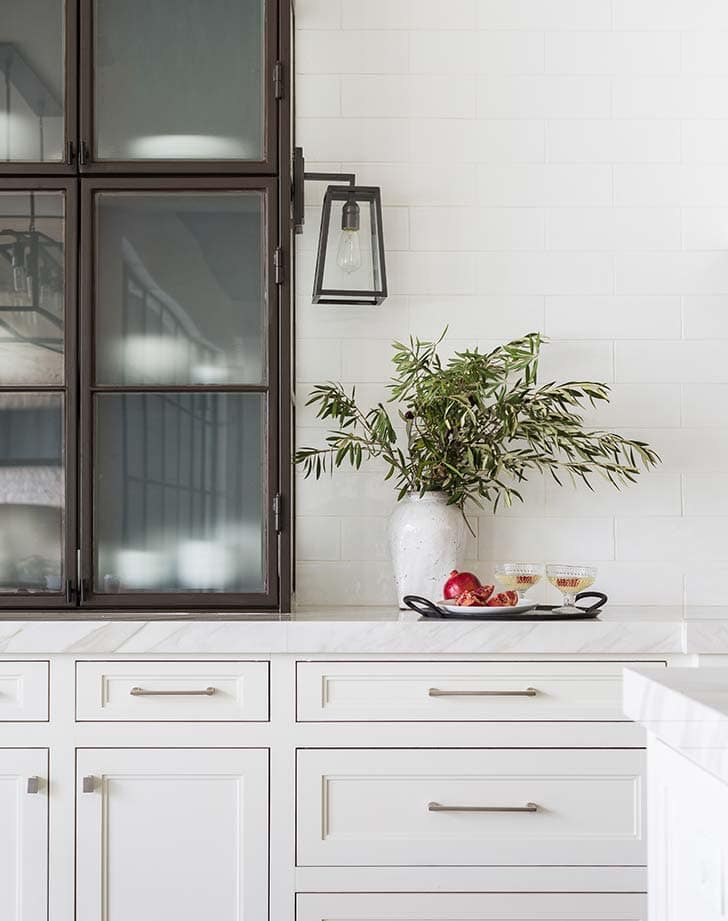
(88, 784)
(33, 785)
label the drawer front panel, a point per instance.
(364, 691)
(442, 906)
(470, 807)
(23, 691)
(172, 691)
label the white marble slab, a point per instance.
(686, 708)
(385, 631)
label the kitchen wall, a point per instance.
(553, 165)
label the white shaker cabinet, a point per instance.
(23, 834)
(172, 833)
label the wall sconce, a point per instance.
(350, 264)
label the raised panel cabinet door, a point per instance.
(172, 833)
(428, 906)
(23, 834)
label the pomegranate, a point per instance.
(460, 582)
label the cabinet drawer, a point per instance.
(364, 691)
(175, 691)
(470, 807)
(446, 906)
(23, 691)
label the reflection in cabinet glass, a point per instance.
(31, 492)
(32, 87)
(179, 79)
(181, 288)
(179, 492)
(32, 278)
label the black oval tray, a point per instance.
(542, 612)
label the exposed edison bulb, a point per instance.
(348, 257)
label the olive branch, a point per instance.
(473, 427)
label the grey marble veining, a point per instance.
(631, 631)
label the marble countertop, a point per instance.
(352, 631)
(686, 708)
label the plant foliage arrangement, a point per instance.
(473, 427)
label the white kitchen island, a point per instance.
(341, 765)
(685, 713)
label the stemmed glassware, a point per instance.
(519, 577)
(570, 580)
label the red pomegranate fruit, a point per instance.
(459, 582)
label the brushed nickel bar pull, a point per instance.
(436, 692)
(88, 784)
(438, 807)
(33, 785)
(142, 692)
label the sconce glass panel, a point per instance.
(350, 266)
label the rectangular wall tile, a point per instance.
(706, 494)
(613, 228)
(552, 539)
(403, 96)
(614, 141)
(705, 316)
(544, 14)
(553, 184)
(339, 52)
(318, 538)
(545, 273)
(683, 362)
(679, 540)
(476, 229)
(613, 53)
(613, 317)
(548, 96)
(407, 14)
(454, 141)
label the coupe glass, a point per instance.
(570, 580)
(519, 577)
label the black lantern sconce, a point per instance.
(350, 264)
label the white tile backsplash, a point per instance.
(552, 165)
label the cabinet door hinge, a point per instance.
(278, 265)
(278, 513)
(278, 80)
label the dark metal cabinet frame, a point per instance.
(273, 177)
(89, 388)
(70, 142)
(273, 84)
(69, 389)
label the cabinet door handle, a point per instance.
(142, 692)
(33, 785)
(438, 807)
(88, 784)
(436, 692)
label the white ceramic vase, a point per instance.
(426, 539)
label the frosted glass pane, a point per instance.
(180, 481)
(31, 492)
(181, 288)
(31, 287)
(31, 80)
(179, 79)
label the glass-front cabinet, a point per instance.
(144, 328)
(147, 86)
(38, 123)
(179, 390)
(37, 392)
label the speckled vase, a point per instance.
(426, 539)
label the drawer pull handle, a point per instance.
(33, 785)
(436, 692)
(88, 784)
(142, 692)
(438, 807)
